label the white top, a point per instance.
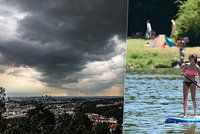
(148, 27)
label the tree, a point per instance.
(62, 124)
(42, 119)
(20, 125)
(3, 124)
(2, 100)
(101, 128)
(12, 131)
(38, 121)
(188, 21)
(118, 129)
(80, 123)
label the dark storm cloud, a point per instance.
(59, 37)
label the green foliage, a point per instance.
(80, 123)
(3, 124)
(41, 119)
(153, 57)
(38, 121)
(188, 21)
(111, 111)
(141, 56)
(12, 131)
(62, 124)
(101, 128)
(142, 59)
(118, 130)
(2, 100)
(21, 126)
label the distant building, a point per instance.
(96, 118)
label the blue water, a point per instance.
(150, 99)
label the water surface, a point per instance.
(150, 99)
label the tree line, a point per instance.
(186, 14)
(41, 120)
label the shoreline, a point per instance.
(175, 71)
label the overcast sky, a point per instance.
(62, 47)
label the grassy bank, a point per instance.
(145, 59)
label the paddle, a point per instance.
(194, 82)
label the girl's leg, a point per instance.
(185, 98)
(193, 97)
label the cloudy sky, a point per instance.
(62, 47)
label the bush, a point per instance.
(188, 21)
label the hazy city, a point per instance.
(19, 106)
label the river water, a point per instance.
(150, 99)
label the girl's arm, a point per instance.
(198, 70)
(183, 68)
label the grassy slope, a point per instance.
(145, 59)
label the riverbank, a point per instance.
(141, 58)
(175, 71)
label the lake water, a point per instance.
(150, 99)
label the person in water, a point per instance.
(190, 69)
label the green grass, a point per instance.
(154, 71)
(145, 59)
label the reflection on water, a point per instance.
(150, 99)
(190, 129)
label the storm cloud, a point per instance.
(61, 38)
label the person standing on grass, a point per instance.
(190, 70)
(173, 31)
(149, 30)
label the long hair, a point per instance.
(198, 63)
(194, 56)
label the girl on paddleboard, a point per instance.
(190, 70)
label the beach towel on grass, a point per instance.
(169, 41)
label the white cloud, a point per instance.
(100, 75)
(9, 17)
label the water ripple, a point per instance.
(150, 99)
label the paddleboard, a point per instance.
(182, 120)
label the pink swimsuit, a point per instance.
(190, 72)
